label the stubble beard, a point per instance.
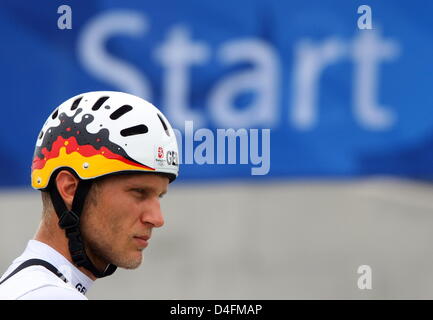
(98, 246)
(98, 239)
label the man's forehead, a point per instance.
(144, 179)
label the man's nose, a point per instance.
(154, 215)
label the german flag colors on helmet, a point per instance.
(104, 132)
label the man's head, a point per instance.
(105, 158)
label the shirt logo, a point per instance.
(81, 288)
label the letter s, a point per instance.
(99, 63)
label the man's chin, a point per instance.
(131, 263)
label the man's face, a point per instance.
(117, 224)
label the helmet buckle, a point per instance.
(68, 220)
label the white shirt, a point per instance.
(39, 283)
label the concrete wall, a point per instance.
(291, 240)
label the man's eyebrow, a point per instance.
(147, 188)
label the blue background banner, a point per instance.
(339, 101)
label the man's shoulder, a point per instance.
(36, 282)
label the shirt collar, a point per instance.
(40, 250)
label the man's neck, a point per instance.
(54, 237)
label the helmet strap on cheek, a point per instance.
(69, 220)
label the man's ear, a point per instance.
(67, 184)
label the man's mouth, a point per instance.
(142, 240)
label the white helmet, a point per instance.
(104, 132)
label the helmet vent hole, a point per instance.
(131, 131)
(76, 103)
(41, 135)
(120, 112)
(99, 103)
(55, 114)
(163, 124)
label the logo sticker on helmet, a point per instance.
(160, 152)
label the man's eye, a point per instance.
(140, 191)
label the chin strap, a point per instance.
(69, 220)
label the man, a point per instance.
(102, 161)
